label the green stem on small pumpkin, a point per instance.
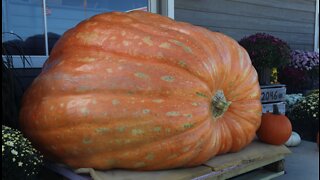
(275, 109)
(219, 104)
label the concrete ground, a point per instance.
(302, 163)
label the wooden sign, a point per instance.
(273, 93)
(269, 107)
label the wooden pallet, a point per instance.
(258, 160)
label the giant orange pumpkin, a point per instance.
(141, 91)
(275, 128)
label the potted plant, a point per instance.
(266, 52)
(302, 73)
(304, 116)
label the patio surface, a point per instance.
(302, 163)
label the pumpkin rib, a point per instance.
(246, 112)
(210, 149)
(176, 139)
(187, 105)
(145, 60)
(155, 33)
(240, 123)
(245, 73)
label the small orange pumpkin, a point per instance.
(275, 128)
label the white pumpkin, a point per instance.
(294, 139)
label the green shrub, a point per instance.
(19, 159)
(304, 116)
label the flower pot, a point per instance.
(264, 75)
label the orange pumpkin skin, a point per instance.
(134, 90)
(274, 129)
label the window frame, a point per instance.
(316, 28)
(163, 7)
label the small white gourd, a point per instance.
(294, 140)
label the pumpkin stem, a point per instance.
(219, 104)
(275, 109)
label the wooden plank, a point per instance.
(245, 9)
(240, 169)
(269, 107)
(255, 155)
(173, 174)
(253, 152)
(260, 174)
(241, 22)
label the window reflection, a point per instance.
(25, 18)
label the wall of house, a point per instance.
(290, 20)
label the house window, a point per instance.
(32, 27)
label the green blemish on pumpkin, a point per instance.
(200, 94)
(185, 149)
(137, 131)
(94, 101)
(102, 130)
(87, 59)
(83, 88)
(125, 43)
(121, 129)
(115, 102)
(127, 141)
(195, 104)
(109, 70)
(173, 113)
(172, 156)
(118, 141)
(130, 92)
(187, 125)
(185, 47)
(157, 100)
(86, 140)
(182, 63)
(147, 40)
(150, 156)
(165, 45)
(146, 111)
(167, 78)
(157, 129)
(140, 164)
(110, 162)
(168, 130)
(188, 115)
(85, 111)
(141, 75)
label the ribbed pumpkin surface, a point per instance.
(134, 90)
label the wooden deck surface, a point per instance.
(254, 156)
